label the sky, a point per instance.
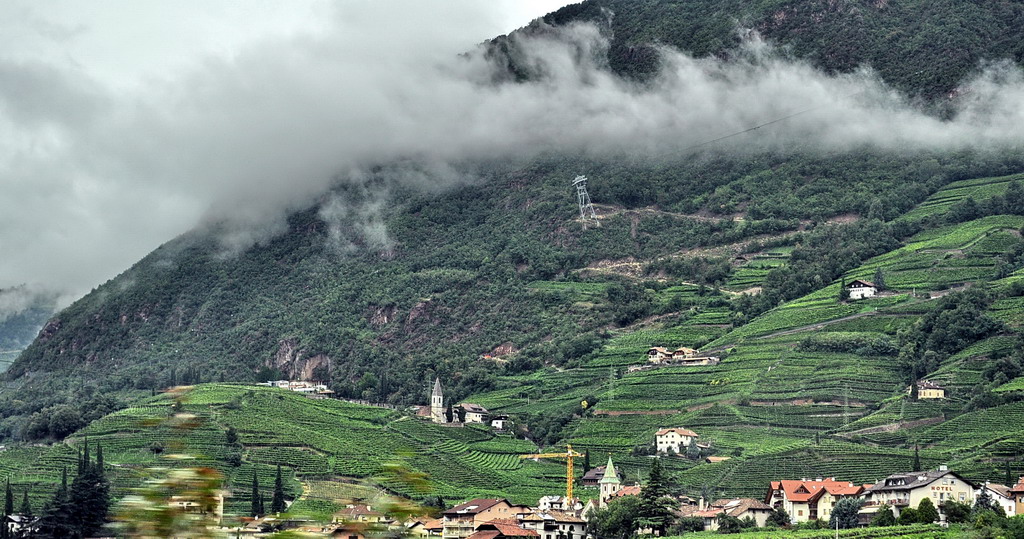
(76, 212)
(126, 123)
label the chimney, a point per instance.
(700, 504)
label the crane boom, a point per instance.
(568, 456)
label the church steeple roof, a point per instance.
(609, 473)
(437, 388)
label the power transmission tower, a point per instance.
(587, 213)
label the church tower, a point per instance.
(437, 403)
(610, 483)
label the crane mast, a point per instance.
(568, 456)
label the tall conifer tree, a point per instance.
(26, 507)
(254, 508)
(277, 504)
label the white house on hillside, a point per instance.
(860, 289)
(675, 439)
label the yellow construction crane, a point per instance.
(568, 456)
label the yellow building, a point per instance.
(926, 389)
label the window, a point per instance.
(800, 513)
(962, 496)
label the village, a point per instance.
(914, 496)
(931, 495)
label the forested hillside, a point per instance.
(497, 287)
(451, 287)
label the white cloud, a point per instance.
(97, 173)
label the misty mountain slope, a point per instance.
(919, 47)
(384, 283)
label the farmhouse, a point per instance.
(809, 499)
(674, 439)
(474, 413)
(908, 489)
(462, 520)
(593, 477)
(683, 353)
(740, 508)
(658, 354)
(501, 422)
(927, 389)
(860, 289)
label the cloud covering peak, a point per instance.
(96, 173)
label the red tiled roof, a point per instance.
(485, 534)
(679, 431)
(505, 527)
(862, 282)
(1019, 487)
(627, 491)
(805, 491)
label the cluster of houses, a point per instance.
(462, 413)
(658, 356)
(556, 517)
(313, 390)
(808, 499)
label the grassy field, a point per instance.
(917, 531)
(317, 443)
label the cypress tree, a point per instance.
(8, 500)
(26, 507)
(99, 460)
(1009, 476)
(879, 279)
(586, 461)
(277, 505)
(254, 509)
(917, 460)
(58, 512)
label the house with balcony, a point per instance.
(903, 490)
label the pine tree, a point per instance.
(254, 509)
(656, 508)
(277, 504)
(26, 507)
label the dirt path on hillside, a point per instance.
(818, 325)
(893, 427)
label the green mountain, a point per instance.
(497, 288)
